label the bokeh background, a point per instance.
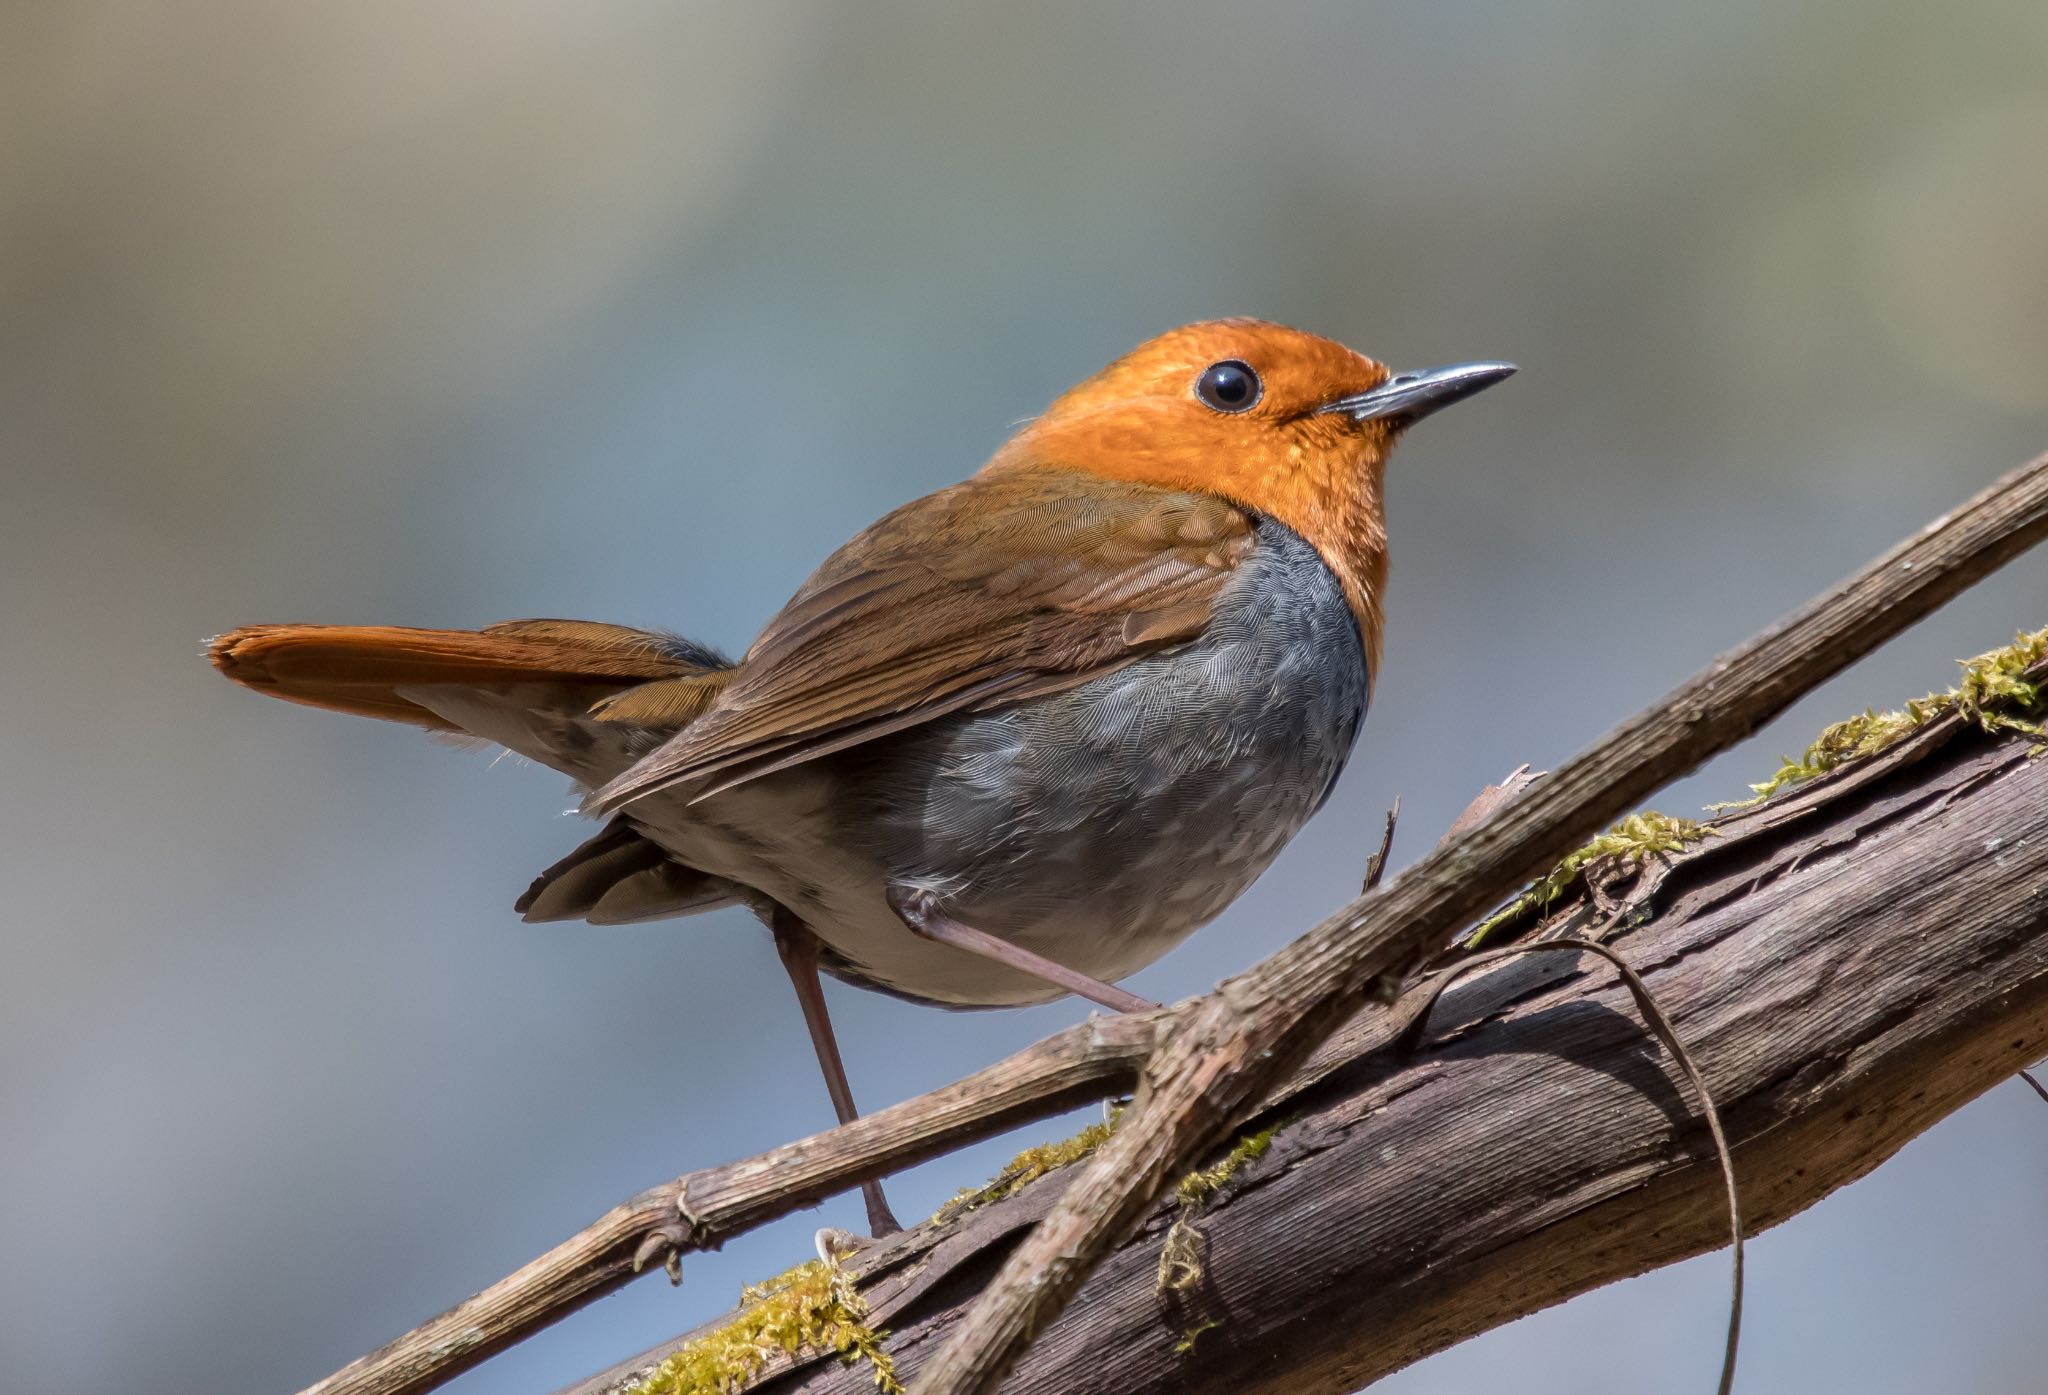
(447, 313)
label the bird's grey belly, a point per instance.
(1098, 827)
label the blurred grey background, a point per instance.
(442, 314)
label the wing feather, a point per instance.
(1012, 585)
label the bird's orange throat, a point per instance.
(1347, 525)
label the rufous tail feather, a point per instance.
(366, 669)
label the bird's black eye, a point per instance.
(1229, 386)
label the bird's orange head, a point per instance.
(1290, 424)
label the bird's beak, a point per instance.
(1407, 398)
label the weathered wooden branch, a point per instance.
(1847, 965)
(1210, 1062)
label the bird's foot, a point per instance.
(920, 911)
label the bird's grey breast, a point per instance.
(1102, 825)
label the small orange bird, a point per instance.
(1017, 739)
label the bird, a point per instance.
(1015, 740)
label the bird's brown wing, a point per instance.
(1014, 584)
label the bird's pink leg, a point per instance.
(918, 911)
(798, 946)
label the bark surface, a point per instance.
(1848, 964)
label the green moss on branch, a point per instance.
(1994, 694)
(1632, 842)
(813, 1308)
(1028, 1166)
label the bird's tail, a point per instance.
(371, 670)
(582, 697)
(579, 696)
